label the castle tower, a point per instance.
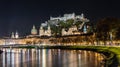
(34, 31)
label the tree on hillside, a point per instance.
(107, 26)
(56, 29)
(118, 33)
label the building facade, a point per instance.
(43, 32)
(71, 31)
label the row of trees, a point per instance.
(108, 29)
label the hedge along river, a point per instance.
(49, 58)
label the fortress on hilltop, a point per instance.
(46, 29)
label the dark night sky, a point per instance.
(21, 15)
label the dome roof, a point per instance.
(34, 30)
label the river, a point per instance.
(49, 58)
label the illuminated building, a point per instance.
(71, 31)
(16, 35)
(65, 17)
(69, 16)
(43, 32)
(12, 35)
(34, 31)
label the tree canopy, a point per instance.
(106, 26)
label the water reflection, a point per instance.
(49, 58)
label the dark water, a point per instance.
(49, 58)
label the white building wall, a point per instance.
(70, 31)
(43, 32)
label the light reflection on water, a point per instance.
(49, 58)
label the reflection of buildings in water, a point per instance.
(59, 57)
(33, 58)
(3, 59)
(43, 58)
(88, 59)
(38, 57)
(17, 59)
(64, 58)
(6, 59)
(50, 58)
(12, 59)
(55, 58)
(99, 58)
(24, 57)
(29, 57)
(79, 60)
(72, 58)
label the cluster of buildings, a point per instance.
(15, 35)
(55, 21)
(15, 39)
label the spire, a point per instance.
(12, 35)
(16, 35)
(33, 26)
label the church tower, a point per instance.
(49, 31)
(12, 35)
(41, 31)
(16, 35)
(34, 31)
